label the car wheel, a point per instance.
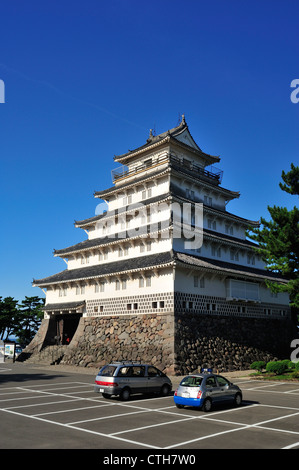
(238, 399)
(179, 406)
(207, 405)
(106, 395)
(125, 394)
(165, 389)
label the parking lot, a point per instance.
(53, 409)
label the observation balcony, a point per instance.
(212, 175)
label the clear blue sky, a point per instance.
(87, 80)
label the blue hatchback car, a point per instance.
(205, 389)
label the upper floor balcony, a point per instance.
(212, 175)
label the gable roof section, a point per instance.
(179, 134)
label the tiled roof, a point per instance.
(64, 306)
(159, 260)
(230, 269)
(107, 269)
(123, 210)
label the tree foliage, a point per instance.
(278, 240)
(21, 320)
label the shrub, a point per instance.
(276, 367)
(258, 365)
(289, 364)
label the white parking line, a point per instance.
(71, 410)
(135, 405)
(266, 386)
(109, 417)
(244, 426)
(296, 444)
(129, 441)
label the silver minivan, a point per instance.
(126, 378)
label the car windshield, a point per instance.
(107, 371)
(191, 381)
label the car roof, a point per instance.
(202, 374)
(126, 363)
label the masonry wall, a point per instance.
(100, 340)
(230, 343)
(182, 343)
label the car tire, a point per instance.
(106, 395)
(179, 406)
(125, 394)
(207, 405)
(238, 399)
(165, 389)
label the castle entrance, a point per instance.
(65, 327)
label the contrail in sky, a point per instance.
(62, 93)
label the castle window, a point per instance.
(234, 255)
(212, 307)
(212, 224)
(216, 251)
(208, 201)
(250, 259)
(63, 292)
(241, 309)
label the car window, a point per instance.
(222, 381)
(211, 382)
(125, 371)
(191, 381)
(153, 372)
(138, 371)
(107, 371)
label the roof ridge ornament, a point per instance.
(151, 136)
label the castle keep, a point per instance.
(166, 274)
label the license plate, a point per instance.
(101, 390)
(185, 395)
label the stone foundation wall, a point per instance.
(229, 343)
(99, 340)
(177, 344)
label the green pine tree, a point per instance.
(278, 241)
